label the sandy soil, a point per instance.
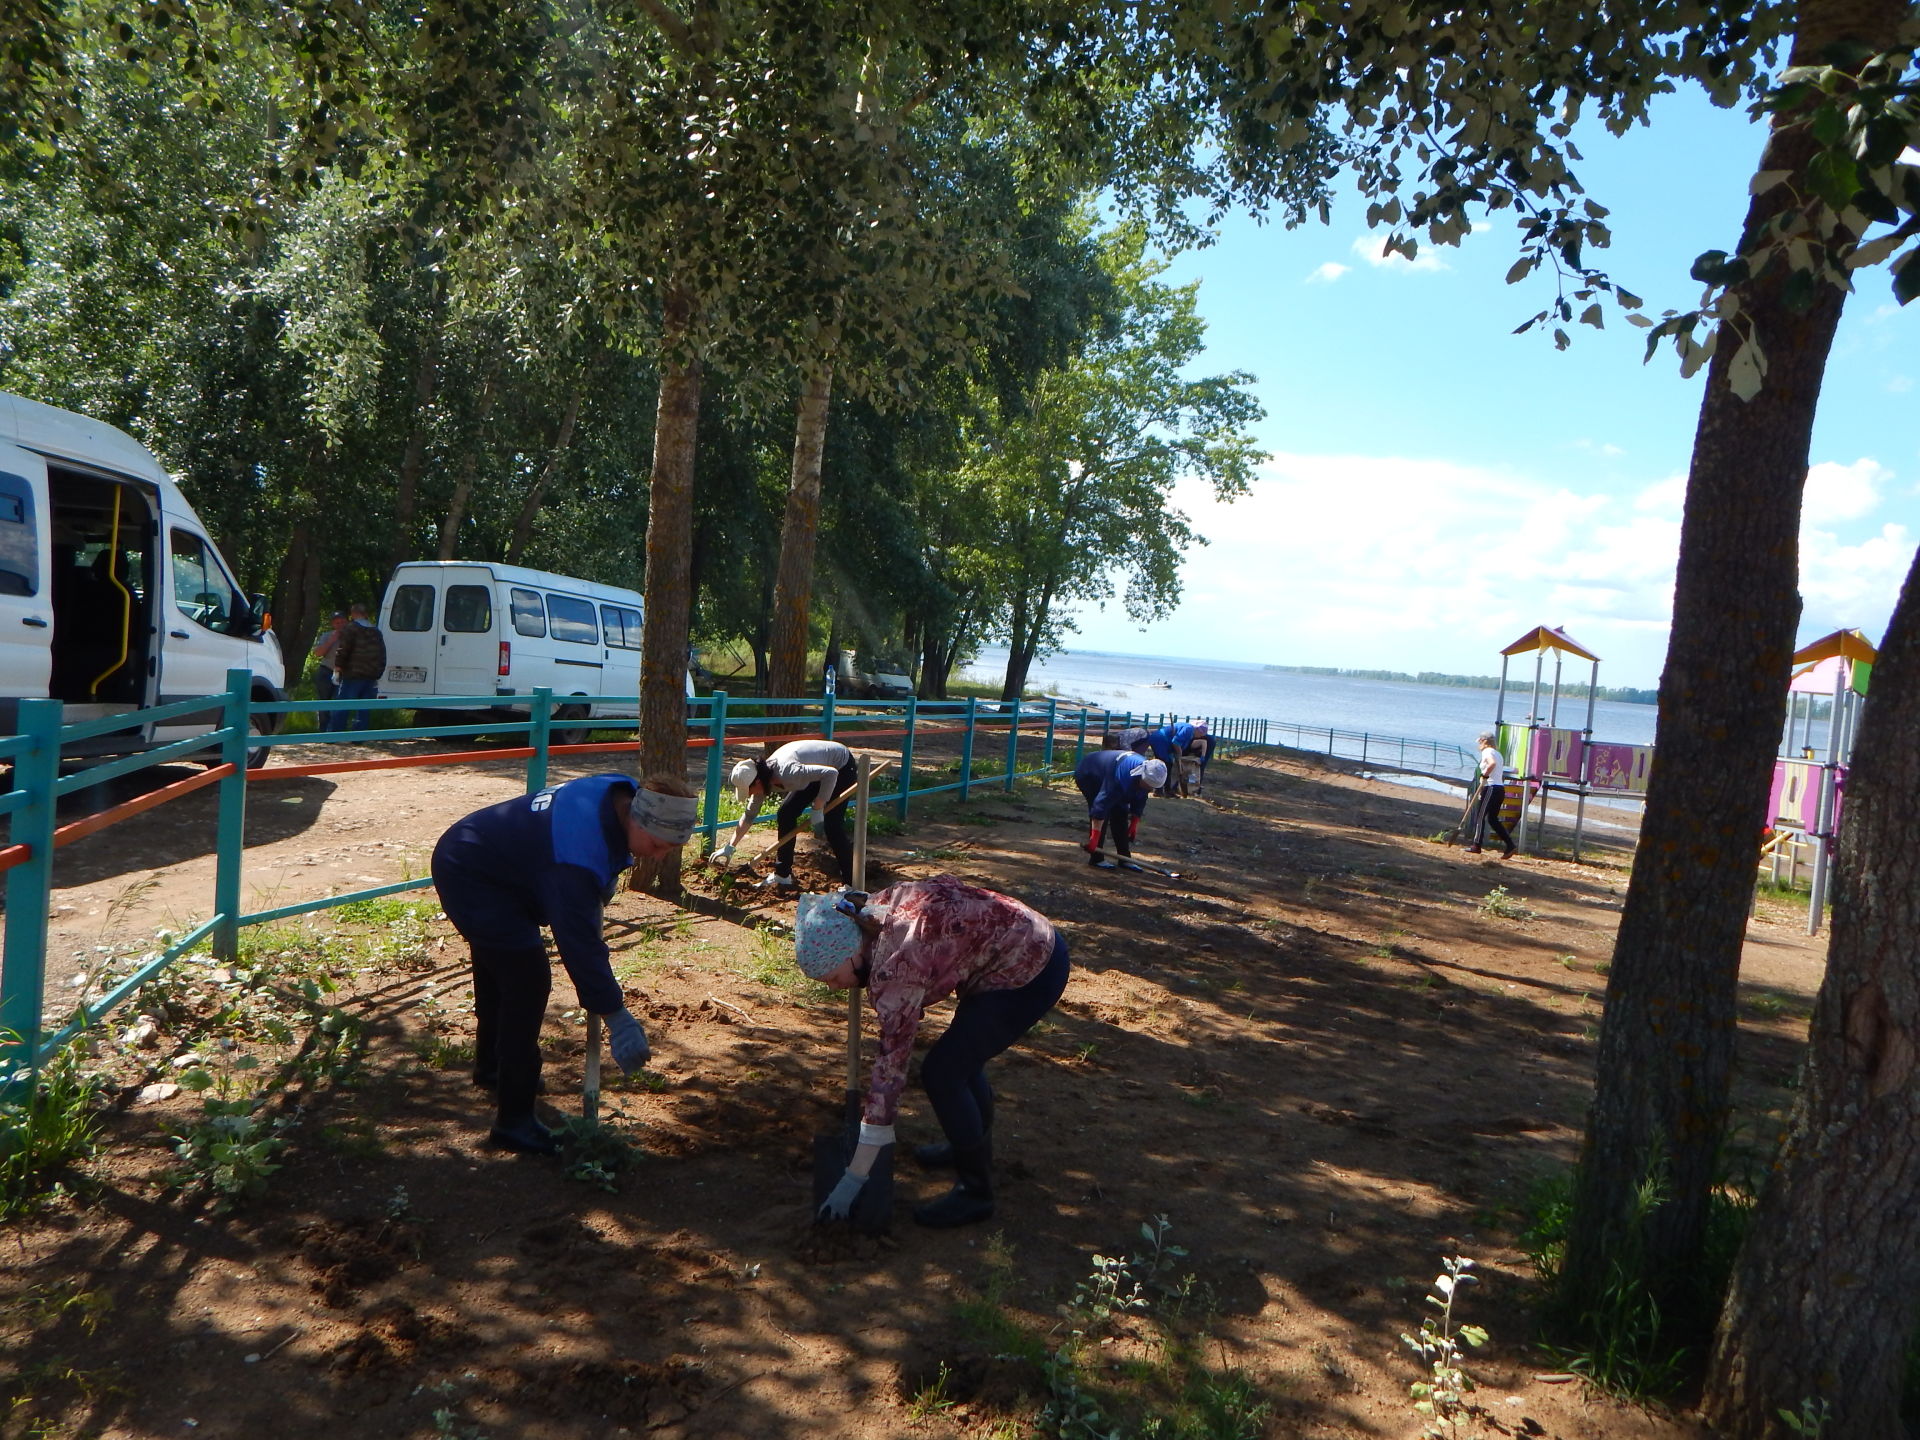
(1313, 1052)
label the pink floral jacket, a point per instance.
(941, 937)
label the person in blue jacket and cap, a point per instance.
(1115, 783)
(551, 858)
(1168, 743)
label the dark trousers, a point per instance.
(954, 1073)
(1097, 829)
(510, 989)
(833, 824)
(1492, 798)
(351, 719)
(511, 981)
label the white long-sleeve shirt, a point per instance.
(798, 766)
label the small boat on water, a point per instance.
(1159, 685)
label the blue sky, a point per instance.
(1438, 485)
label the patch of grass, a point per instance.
(883, 822)
(931, 1399)
(386, 910)
(769, 961)
(444, 1052)
(1623, 1341)
(49, 1124)
(355, 1139)
(976, 817)
(1771, 1006)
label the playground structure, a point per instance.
(1808, 788)
(1805, 803)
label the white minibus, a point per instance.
(112, 595)
(464, 627)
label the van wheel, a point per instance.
(565, 733)
(261, 725)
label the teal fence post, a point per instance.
(906, 754)
(1046, 755)
(230, 846)
(1080, 741)
(538, 736)
(826, 715)
(30, 883)
(717, 732)
(1013, 746)
(966, 748)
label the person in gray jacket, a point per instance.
(803, 772)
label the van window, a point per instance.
(622, 626)
(202, 590)
(573, 620)
(19, 553)
(412, 608)
(469, 609)
(529, 615)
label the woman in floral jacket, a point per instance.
(911, 945)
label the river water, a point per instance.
(1296, 705)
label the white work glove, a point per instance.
(627, 1041)
(839, 1205)
(722, 855)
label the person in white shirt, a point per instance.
(1493, 795)
(805, 772)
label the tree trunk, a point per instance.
(1822, 1302)
(469, 469)
(296, 600)
(1019, 661)
(1666, 1043)
(663, 659)
(406, 484)
(537, 492)
(793, 587)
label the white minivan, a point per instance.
(465, 627)
(112, 595)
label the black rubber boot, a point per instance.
(971, 1200)
(523, 1136)
(940, 1156)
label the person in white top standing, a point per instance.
(805, 772)
(1493, 795)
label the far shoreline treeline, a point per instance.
(1624, 694)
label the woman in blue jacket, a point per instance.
(552, 859)
(1115, 784)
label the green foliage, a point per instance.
(386, 910)
(48, 1122)
(1625, 1343)
(230, 1150)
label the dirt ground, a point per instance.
(1313, 1052)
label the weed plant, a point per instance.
(1166, 1390)
(48, 1123)
(594, 1153)
(769, 961)
(1441, 1398)
(1502, 906)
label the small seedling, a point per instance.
(1811, 1421)
(931, 1398)
(1442, 1396)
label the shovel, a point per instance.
(1466, 815)
(832, 1150)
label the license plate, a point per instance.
(407, 674)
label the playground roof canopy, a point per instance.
(1847, 644)
(1545, 637)
(1845, 656)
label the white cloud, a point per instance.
(1370, 249)
(1328, 273)
(1899, 384)
(1382, 561)
(1844, 492)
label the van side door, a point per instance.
(469, 659)
(620, 630)
(26, 581)
(204, 622)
